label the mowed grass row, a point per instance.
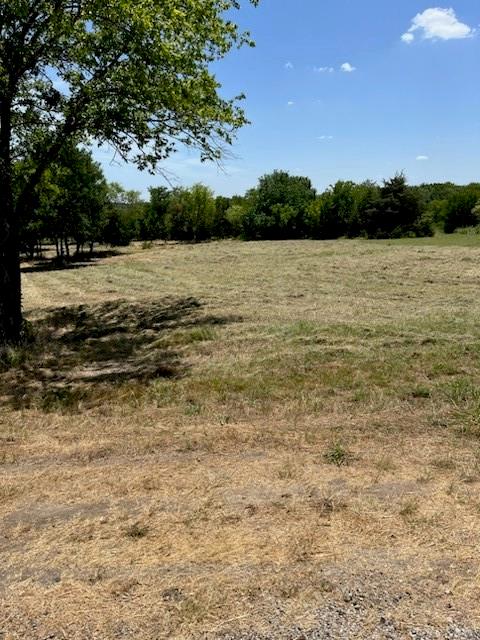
(396, 323)
(207, 438)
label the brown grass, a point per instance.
(229, 433)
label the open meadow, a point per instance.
(245, 440)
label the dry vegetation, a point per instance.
(208, 439)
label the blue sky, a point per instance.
(407, 98)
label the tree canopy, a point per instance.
(134, 75)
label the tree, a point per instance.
(191, 214)
(82, 192)
(396, 212)
(366, 196)
(221, 225)
(321, 220)
(124, 213)
(68, 202)
(331, 214)
(132, 74)
(235, 215)
(153, 224)
(460, 208)
(276, 208)
(201, 212)
(476, 213)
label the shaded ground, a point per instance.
(75, 261)
(77, 352)
(312, 471)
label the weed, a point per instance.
(8, 491)
(122, 586)
(136, 530)
(409, 508)
(288, 470)
(337, 454)
(420, 392)
(192, 408)
(303, 546)
(12, 357)
(462, 390)
(61, 399)
(385, 464)
(445, 464)
(193, 610)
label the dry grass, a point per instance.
(227, 434)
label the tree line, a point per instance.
(74, 207)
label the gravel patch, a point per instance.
(337, 624)
(371, 606)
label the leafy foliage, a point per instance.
(135, 75)
(276, 209)
(461, 209)
(396, 212)
(68, 202)
(74, 204)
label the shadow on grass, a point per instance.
(79, 353)
(76, 261)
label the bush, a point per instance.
(462, 210)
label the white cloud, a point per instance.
(422, 158)
(347, 67)
(408, 38)
(325, 138)
(288, 65)
(290, 103)
(323, 69)
(437, 23)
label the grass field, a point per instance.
(214, 439)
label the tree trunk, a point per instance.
(10, 287)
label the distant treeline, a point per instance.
(75, 207)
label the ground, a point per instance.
(243, 441)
